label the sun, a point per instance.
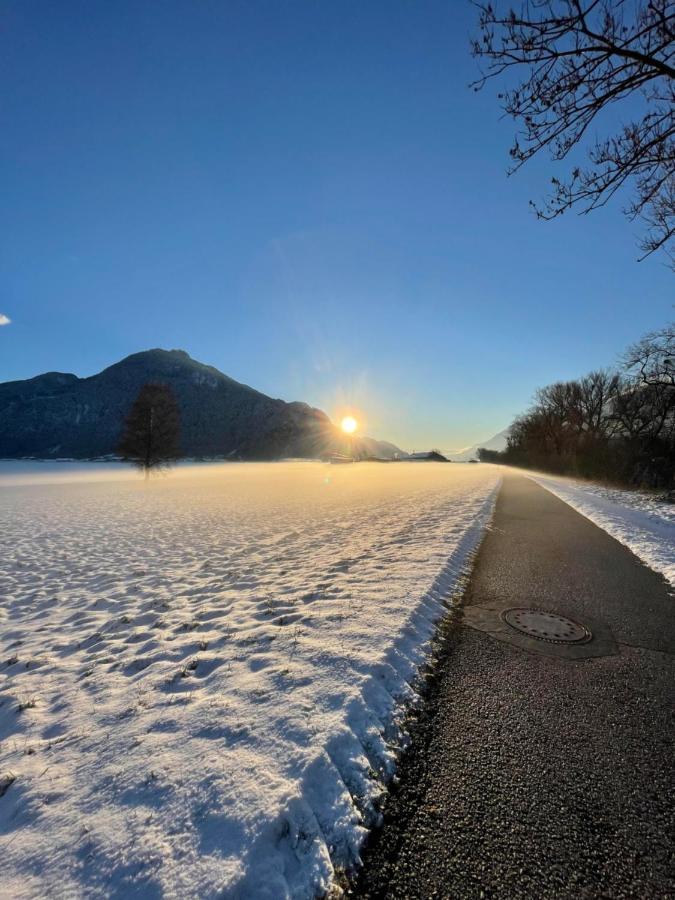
(349, 424)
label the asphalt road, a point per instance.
(533, 775)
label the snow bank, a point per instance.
(637, 519)
(202, 680)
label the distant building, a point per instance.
(428, 456)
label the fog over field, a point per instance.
(202, 678)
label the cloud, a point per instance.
(4, 320)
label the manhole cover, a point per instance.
(546, 626)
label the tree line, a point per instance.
(617, 426)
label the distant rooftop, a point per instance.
(428, 454)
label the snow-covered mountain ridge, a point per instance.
(496, 442)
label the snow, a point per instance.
(203, 679)
(637, 519)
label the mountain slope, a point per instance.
(60, 415)
(496, 442)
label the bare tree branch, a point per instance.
(577, 58)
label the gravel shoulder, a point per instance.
(531, 775)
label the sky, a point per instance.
(306, 195)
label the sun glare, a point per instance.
(349, 424)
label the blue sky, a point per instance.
(307, 196)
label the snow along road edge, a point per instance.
(399, 676)
(635, 521)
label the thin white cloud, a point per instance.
(4, 320)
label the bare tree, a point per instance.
(576, 59)
(646, 405)
(597, 393)
(151, 433)
(646, 411)
(652, 359)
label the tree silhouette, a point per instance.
(577, 59)
(151, 432)
(609, 425)
(652, 359)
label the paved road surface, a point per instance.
(533, 775)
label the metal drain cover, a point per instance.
(546, 626)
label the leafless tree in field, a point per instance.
(151, 433)
(576, 59)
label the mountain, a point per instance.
(59, 415)
(496, 442)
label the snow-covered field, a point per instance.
(637, 519)
(202, 679)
